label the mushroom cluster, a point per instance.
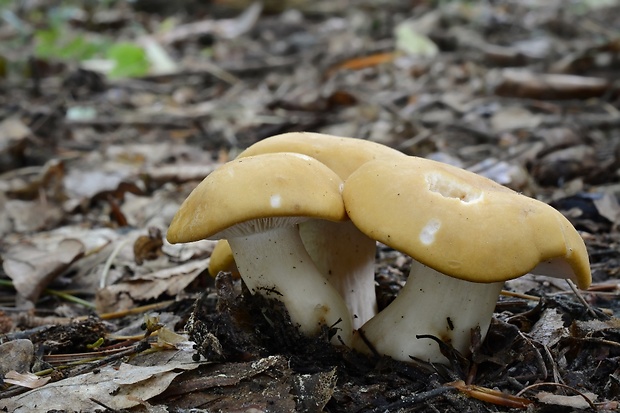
(301, 213)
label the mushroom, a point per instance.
(344, 255)
(256, 203)
(467, 235)
(222, 259)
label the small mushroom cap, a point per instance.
(264, 186)
(222, 259)
(340, 154)
(462, 224)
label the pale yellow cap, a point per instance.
(222, 259)
(263, 186)
(462, 224)
(342, 155)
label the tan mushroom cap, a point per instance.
(462, 224)
(342, 155)
(222, 259)
(269, 185)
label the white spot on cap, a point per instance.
(427, 235)
(449, 188)
(275, 201)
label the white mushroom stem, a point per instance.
(275, 264)
(346, 257)
(430, 303)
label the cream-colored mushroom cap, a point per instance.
(342, 155)
(462, 224)
(269, 185)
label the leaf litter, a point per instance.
(93, 167)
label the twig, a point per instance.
(506, 293)
(413, 400)
(588, 307)
(564, 386)
(539, 358)
(492, 396)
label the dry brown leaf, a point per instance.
(87, 184)
(148, 247)
(165, 336)
(13, 134)
(118, 387)
(29, 380)
(590, 327)
(549, 329)
(16, 355)
(314, 390)
(560, 137)
(607, 206)
(30, 216)
(170, 281)
(514, 117)
(232, 387)
(32, 268)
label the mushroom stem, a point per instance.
(430, 303)
(275, 264)
(346, 257)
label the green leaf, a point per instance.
(45, 42)
(130, 60)
(66, 45)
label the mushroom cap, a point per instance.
(462, 224)
(340, 154)
(264, 186)
(222, 259)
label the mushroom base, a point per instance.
(276, 265)
(430, 303)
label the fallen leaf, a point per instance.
(512, 118)
(13, 134)
(591, 327)
(87, 184)
(161, 63)
(314, 390)
(32, 268)
(607, 206)
(412, 42)
(30, 216)
(549, 329)
(16, 355)
(118, 388)
(511, 175)
(170, 281)
(29, 380)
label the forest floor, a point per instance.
(111, 114)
